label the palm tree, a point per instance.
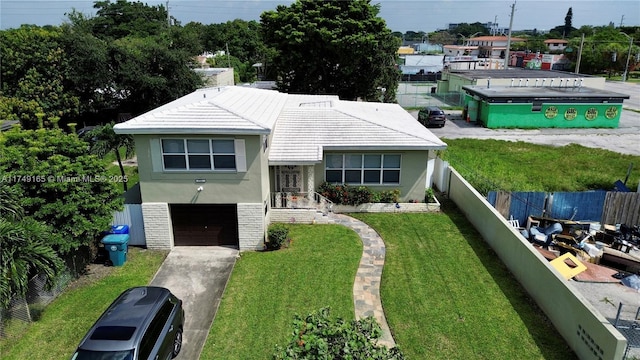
(23, 249)
(103, 140)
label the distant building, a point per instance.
(491, 27)
(556, 44)
(482, 47)
(559, 105)
(216, 76)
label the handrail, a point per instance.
(301, 200)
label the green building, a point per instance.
(542, 107)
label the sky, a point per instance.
(400, 15)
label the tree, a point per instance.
(23, 249)
(104, 140)
(442, 38)
(34, 70)
(121, 18)
(332, 47)
(567, 23)
(59, 184)
(139, 62)
(318, 336)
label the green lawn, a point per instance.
(519, 166)
(66, 320)
(267, 288)
(447, 296)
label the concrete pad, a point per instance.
(198, 276)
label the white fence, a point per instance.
(132, 216)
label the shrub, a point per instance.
(359, 195)
(277, 236)
(347, 195)
(429, 195)
(318, 336)
(390, 196)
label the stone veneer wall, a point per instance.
(158, 229)
(251, 226)
(292, 216)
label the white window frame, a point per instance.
(362, 169)
(238, 154)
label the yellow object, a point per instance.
(568, 271)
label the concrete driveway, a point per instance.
(198, 275)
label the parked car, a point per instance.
(142, 323)
(432, 116)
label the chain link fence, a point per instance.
(421, 94)
(29, 308)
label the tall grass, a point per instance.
(519, 166)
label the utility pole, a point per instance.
(168, 16)
(494, 28)
(626, 68)
(621, 20)
(506, 54)
(579, 55)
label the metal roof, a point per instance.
(546, 92)
(516, 73)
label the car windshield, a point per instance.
(103, 355)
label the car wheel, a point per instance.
(177, 343)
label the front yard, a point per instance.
(445, 295)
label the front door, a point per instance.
(291, 178)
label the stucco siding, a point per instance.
(413, 173)
(218, 187)
(158, 228)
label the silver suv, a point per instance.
(142, 323)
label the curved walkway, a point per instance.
(366, 288)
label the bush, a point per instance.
(277, 236)
(390, 196)
(359, 195)
(347, 195)
(429, 195)
(317, 336)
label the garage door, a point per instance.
(204, 225)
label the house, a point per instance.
(556, 44)
(216, 76)
(482, 46)
(215, 164)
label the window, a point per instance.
(366, 169)
(198, 154)
(154, 331)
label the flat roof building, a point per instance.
(551, 105)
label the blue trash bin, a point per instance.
(119, 229)
(116, 246)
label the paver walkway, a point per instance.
(366, 288)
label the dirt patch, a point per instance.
(93, 273)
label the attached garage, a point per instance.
(205, 225)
